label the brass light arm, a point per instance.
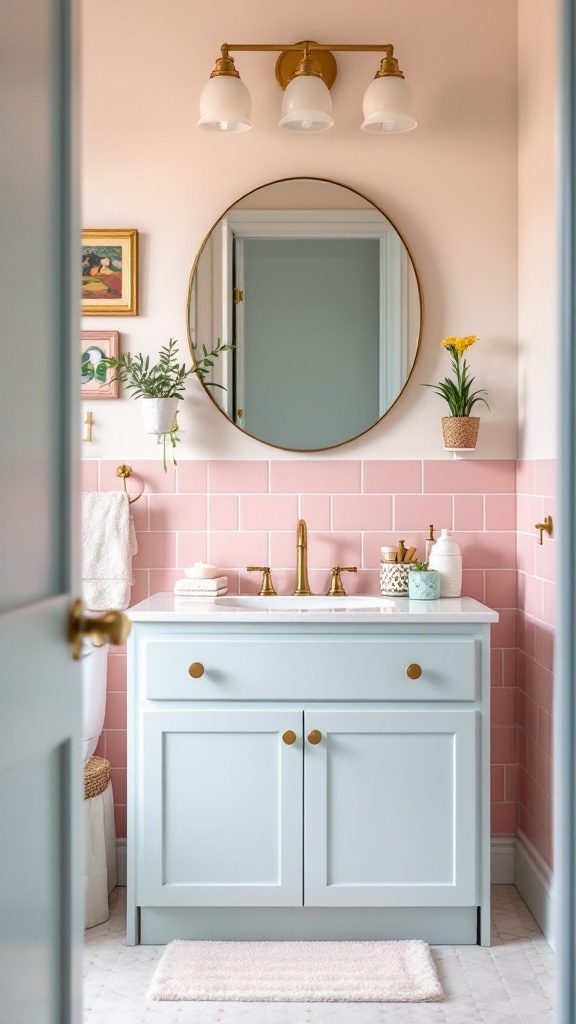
(307, 43)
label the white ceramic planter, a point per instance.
(159, 414)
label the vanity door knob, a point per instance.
(314, 737)
(289, 737)
(413, 671)
(196, 669)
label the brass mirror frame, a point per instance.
(328, 181)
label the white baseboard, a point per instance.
(502, 860)
(120, 862)
(533, 879)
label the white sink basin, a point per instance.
(300, 604)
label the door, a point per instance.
(222, 808)
(390, 808)
(41, 873)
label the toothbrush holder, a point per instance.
(394, 579)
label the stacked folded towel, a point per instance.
(201, 580)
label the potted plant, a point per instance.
(460, 429)
(161, 386)
(423, 583)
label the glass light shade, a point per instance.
(307, 105)
(225, 105)
(388, 106)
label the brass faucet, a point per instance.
(302, 585)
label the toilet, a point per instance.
(99, 832)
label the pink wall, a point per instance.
(536, 485)
(223, 511)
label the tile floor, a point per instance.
(509, 983)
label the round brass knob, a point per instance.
(289, 737)
(314, 737)
(413, 671)
(196, 669)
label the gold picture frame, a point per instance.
(110, 272)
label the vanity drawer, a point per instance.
(315, 667)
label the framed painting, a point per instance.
(96, 382)
(110, 272)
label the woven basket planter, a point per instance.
(460, 431)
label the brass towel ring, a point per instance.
(125, 472)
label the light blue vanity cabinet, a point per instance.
(319, 778)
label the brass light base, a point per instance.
(323, 61)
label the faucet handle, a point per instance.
(336, 587)
(267, 588)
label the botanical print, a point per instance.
(101, 272)
(95, 375)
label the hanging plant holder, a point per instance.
(159, 415)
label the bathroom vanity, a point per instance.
(309, 768)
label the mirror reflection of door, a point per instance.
(316, 290)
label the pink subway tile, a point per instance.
(487, 550)
(89, 474)
(545, 772)
(509, 667)
(116, 676)
(549, 602)
(178, 512)
(501, 589)
(116, 747)
(140, 589)
(504, 631)
(366, 581)
(533, 597)
(237, 550)
(528, 512)
(545, 560)
(115, 711)
(469, 512)
(120, 820)
(525, 553)
(527, 635)
(543, 810)
(192, 476)
(316, 509)
(335, 476)
(500, 512)
(191, 547)
(542, 687)
(381, 477)
(511, 782)
(525, 476)
(504, 744)
(362, 512)
(495, 667)
(416, 511)
(268, 512)
(118, 777)
(497, 783)
(155, 551)
(504, 819)
(140, 514)
(544, 645)
(503, 711)
(545, 471)
(469, 476)
(162, 580)
(545, 731)
(473, 584)
(222, 512)
(237, 476)
(145, 474)
(528, 716)
(325, 550)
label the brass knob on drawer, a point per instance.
(289, 737)
(413, 671)
(196, 669)
(314, 737)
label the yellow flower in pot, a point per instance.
(460, 429)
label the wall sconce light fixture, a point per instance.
(306, 71)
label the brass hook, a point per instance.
(545, 527)
(125, 472)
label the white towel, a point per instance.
(189, 586)
(108, 543)
(202, 571)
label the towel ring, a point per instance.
(125, 472)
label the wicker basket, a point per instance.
(96, 777)
(460, 432)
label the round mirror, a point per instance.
(318, 293)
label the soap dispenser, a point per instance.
(447, 559)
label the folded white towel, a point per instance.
(188, 586)
(191, 602)
(183, 592)
(202, 571)
(108, 543)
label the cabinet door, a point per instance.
(222, 808)
(390, 808)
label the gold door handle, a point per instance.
(109, 628)
(196, 670)
(314, 737)
(289, 737)
(413, 671)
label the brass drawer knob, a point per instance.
(289, 737)
(413, 671)
(196, 669)
(314, 737)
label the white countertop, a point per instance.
(169, 608)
